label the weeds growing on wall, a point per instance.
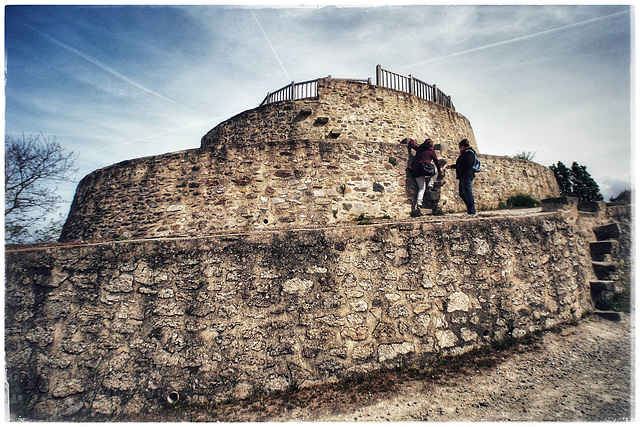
(363, 220)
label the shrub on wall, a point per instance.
(521, 201)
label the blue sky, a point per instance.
(119, 82)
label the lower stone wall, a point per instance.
(98, 331)
(275, 185)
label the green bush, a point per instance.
(522, 201)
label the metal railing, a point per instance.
(293, 91)
(384, 78)
(410, 84)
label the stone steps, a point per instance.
(602, 286)
(614, 316)
(609, 231)
(603, 268)
(601, 250)
(603, 247)
(431, 197)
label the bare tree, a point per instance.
(33, 164)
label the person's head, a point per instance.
(428, 143)
(464, 143)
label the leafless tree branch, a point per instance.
(33, 165)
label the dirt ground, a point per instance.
(582, 372)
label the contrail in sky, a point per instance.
(514, 40)
(155, 135)
(104, 66)
(267, 38)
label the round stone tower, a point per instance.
(346, 111)
(326, 159)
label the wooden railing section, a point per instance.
(384, 78)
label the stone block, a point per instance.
(603, 247)
(608, 231)
(595, 207)
(613, 316)
(602, 286)
(559, 203)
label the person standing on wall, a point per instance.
(425, 167)
(465, 174)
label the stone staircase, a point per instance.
(604, 267)
(431, 199)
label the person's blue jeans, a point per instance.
(466, 193)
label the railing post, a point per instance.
(378, 74)
(411, 82)
(293, 91)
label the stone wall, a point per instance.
(265, 186)
(502, 177)
(346, 110)
(294, 163)
(96, 331)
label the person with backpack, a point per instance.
(466, 166)
(425, 167)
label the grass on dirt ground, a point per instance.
(354, 391)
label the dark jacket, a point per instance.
(464, 164)
(424, 155)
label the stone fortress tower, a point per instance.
(314, 153)
(236, 269)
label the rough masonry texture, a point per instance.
(97, 331)
(294, 163)
(243, 271)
